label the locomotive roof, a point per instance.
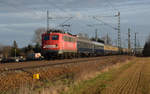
(59, 31)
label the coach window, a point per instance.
(55, 37)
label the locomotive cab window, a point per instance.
(55, 37)
(46, 37)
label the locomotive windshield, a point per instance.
(46, 37)
(55, 37)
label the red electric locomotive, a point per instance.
(59, 44)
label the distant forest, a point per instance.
(146, 51)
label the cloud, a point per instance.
(26, 15)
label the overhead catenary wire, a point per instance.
(113, 7)
(64, 22)
(8, 4)
(119, 33)
(57, 7)
(61, 9)
(105, 23)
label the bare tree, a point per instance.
(15, 45)
(146, 51)
(1, 49)
(15, 51)
(37, 35)
(1, 46)
(6, 51)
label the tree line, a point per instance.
(12, 51)
(146, 50)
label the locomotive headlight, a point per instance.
(44, 47)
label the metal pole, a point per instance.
(15, 53)
(96, 37)
(47, 20)
(129, 44)
(135, 42)
(107, 39)
(119, 34)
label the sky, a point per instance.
(20, 18)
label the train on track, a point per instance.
(56, 43)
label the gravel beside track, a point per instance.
(46, 63)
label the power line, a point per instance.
(62, 24)
(54, 5)
(105, 23)
(10, 5)
(65, 21)
(114, 8)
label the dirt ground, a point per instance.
(17, 79)
(134, 80)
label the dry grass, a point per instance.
(54, 80)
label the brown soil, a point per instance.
(134, 80)
(11, 80)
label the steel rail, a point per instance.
(46, 65)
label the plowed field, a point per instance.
(134, 80)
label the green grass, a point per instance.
(97, 84)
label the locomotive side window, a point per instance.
(69, 39)
(55, 37)
(65, 38)
(46, 37)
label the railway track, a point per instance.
(48, 64)
(13, 75)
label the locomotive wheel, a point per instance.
(62, 56)
(65, 56)
(69, 55)
(74, 55)
(78, 55)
